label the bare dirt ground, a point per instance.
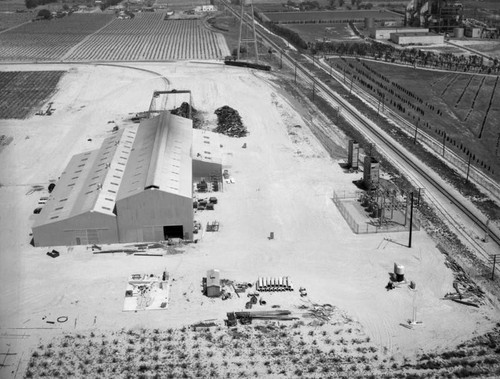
(283, 184)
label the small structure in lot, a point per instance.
(147, 292)
(213, 283)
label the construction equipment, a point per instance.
(212, 227)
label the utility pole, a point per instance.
(444, 140)
(468, 169)
(411, 218)
(416, 131)
(494, 264)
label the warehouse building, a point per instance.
(136, 187)
(417, 38)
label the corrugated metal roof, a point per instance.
(213, 278)
(90, 181)
(160, 157)
(156, 154)
(206, 146)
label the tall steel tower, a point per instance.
(249, 29)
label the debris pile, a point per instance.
(247, 317)
(183, 111)
(466, 291)
(229, 122)
(324, 312)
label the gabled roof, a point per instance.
(160, 157)
(206, 146)
(90, 181)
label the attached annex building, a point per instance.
(137, 187)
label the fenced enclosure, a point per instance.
(376, 219)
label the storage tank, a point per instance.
(458, 32)
(399, 270)
(280, 283)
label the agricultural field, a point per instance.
(11, 5)
(24, 92)
(9, 19)
(178, 5)
(330, 16)
(49, 40)
(265, 349)
(325, 32)
(149, 37)
(459, 108)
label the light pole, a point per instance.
(416, 131)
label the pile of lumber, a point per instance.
(183, 111)
(266, 315)
(229, 122)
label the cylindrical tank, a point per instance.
(399, 270)
(280, 283)
(368, 22)
(260, 284)
(458, 32)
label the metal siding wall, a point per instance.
(65, 232)
(202, 169)
(153, 208)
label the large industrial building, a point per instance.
(417, 38)
(385, 32)
(137, 187)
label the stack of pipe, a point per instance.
(281, 283)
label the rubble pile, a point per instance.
(183, 111)
(229, 122)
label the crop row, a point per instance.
(24, 92)
(146, 37)
(152, 38)
(49, 40)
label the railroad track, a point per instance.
(373, 133)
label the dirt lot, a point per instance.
(283, 184)
(328, 32)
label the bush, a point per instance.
(45, 14)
